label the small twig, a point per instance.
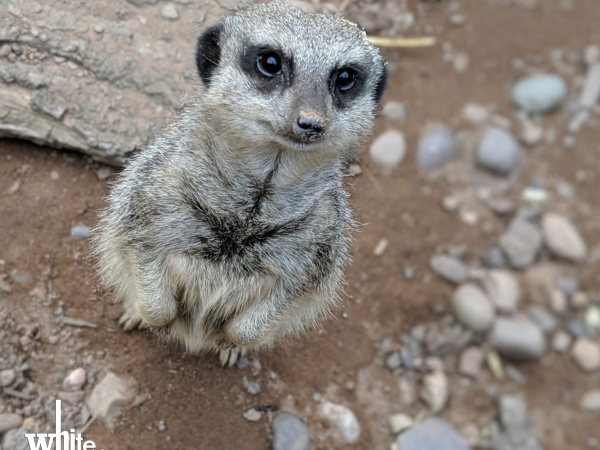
(87, 425)
(380, 41)
(17, 394)
(75, 322)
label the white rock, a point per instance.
(472, 307)
(435, 391)
(7, 377)
(591, 401)
(561, 342)
(562, 238)
(342, 420)
(252, 415)
(394, 110)
(109, 396)
(586, 354)
(476, 114)
(503, 289)
(389, 148)
(517, 339)
(539, 93)
(169, 12)
(399, 423)
(9, 421)
(591, 87)
(75, 380)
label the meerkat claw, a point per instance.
(229, 357)
(130, 322)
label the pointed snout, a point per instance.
(310, 126)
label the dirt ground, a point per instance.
(200, 403)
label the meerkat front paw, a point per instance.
(229, 357)
(131, 320)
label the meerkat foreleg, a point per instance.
(157, 289)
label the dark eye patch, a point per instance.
(260, 62)
(342, 90)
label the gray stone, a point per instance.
(7, 377)
(543, 318)
(567, 285)
(252, 415)
(448, 268)
(579, 329)
(433, 433)
(517, 432)
(80, 232)
(47, 103)
(252, 387)
(470, 362)
(494, 258)
(472, 307)
(521, 243)
(289, 433)
(389, 148)
(563, 239)
(539, 93)
(9, 421)
(498, 151)
(517, 339)
(436, 149)
(15, 439)
(394, 361)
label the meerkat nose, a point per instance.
(309, 126)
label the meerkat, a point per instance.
(230, 230)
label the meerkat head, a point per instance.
(275, 76)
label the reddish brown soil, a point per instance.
(201, 403)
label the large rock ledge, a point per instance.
(97, 80)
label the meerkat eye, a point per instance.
(269, 64)
(345, 79)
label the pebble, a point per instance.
(7, 377)
(567, 285)
(9, 421)
(252, 415)
(579, 300)
(494, 258)
(432, 433)
(5, 50)
(399, 423)
(591, 401)
(289, 432)
(562, 238)
(448, 268)
(558, 301)
(80, 232)
(470, 362)
(498, 151)
(561, 342)
(592, 317)
(75, 380)
(380, 247)
(394, 361)
(450, 203)
(539, 93)
(110, 395)
(503, 289)
(472, 307)
(474, 113)
(435, 391)
(169, 12)
(543, 318)
(502, 206)
(436, 149)
(394, 110)
(343, 421)
(590, 92)
(104, 173)
(579, 329)
(389, 148)
(517, 339)
(521, 242)
(14, 440)
(252, 387)
(586, 354)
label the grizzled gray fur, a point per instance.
(230, 230)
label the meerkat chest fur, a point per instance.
(230, 229)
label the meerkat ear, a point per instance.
(208, 52)
(381, 84)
